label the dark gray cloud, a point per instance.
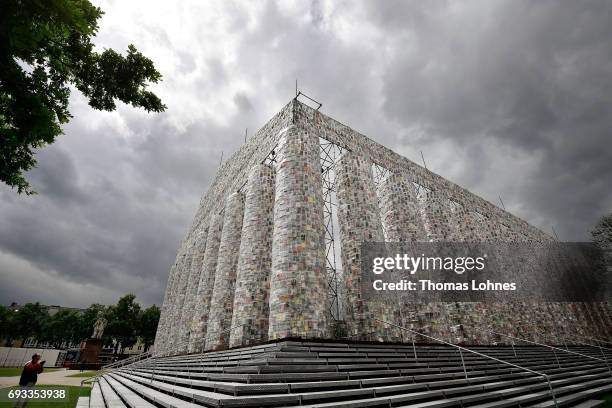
(506, 98)
(532, 76)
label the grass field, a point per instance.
(73, 394)
(16, 371)
(83, 374)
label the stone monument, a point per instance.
(91, 348)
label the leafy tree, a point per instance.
(123, 322)
(602, 232)
(60, 328)
(126, 323)
(45, 47)
(29, 320)
(148, 325)
(5, 323)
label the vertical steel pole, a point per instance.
(556, 358)
(552, 391)
(463, 364)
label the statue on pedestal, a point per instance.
(99, 326)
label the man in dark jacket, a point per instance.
(29, 376)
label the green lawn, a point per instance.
(83, 374)
(73, 394)
(16, 371)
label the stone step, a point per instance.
(152, 388)
(235, 389)
(564, 395)
(326, 374)
(156, 397)
(578, 394)
(452, 353)
(217, 367)
(510, 394)
(591, 404)
(111, 399)
(468, 357)
(132, 399)
(82, 402)
(408, 391)
(95, 398)
(440, 380)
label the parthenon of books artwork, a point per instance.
(274, 249)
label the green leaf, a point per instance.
(45, 46)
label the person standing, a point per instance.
(29, 376)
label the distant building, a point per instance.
(137, 348)
(51, 309)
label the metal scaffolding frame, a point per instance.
(455, 206)
(270, 159)
(421, 191)
(330, 152)
(380, 173)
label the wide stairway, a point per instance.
(350, 374)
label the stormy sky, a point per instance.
(506, 98)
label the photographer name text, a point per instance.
(414, 264)
(428, 285)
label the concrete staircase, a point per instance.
(343, 374)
